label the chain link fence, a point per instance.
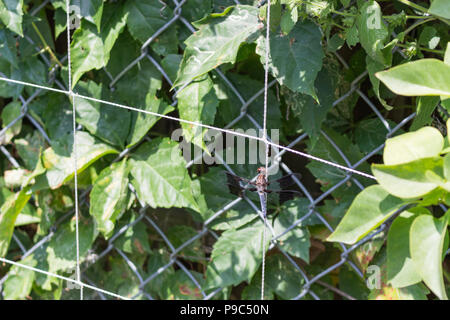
(95, 290)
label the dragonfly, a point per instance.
(260, 185)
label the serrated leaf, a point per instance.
(59, 159)
(426, 142)
(11, 12)
(424, 77)
(236, 256)
(146, 17)
(91, 49)
(426, 245)
(91, 11)
(108, 198)
(295, 59)
(106, 122)
(160, 176)
(9, 211)
(197, 102)
(369, 210)
(217, 41)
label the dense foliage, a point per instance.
(346, 76)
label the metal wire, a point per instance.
(144, 215)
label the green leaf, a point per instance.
(296, 241)
(369, 210)
(311, 114)
(59, 159)
(62, 248)
(236, 256)
(400, 267)
(282, 277)
(295, 59)
(9, 211)
(424, 109)
(91, 11)
(197, 102)
(413, 179)
(440, 8)
(29, 148)
(145, 18)
(19, 283)
(289, 19)
(135, 240)
(426, 244)
(8, 49)
(106, 122)
(373, 33)
(373, 67)
(9, 114)
(160, 176)
(217, 41)
(426, 142)
(142, 122)
(91, 49)
(11, 12)
(425, 77)
(108, 198)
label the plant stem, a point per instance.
(421, 48)
(413, 5)
(418, 24)
(46, 46)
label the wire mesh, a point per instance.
(144, 216)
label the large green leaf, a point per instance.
(440, 8)
(217, 41)
(426, 245)
(413, 179)
(8, 215)
(90, 49)
(11, 15)
(400, 268)
(373, 33)
(108, 197)
(197, 102)
(369, 209)
(426, 142)
(425, 77)
(106, 122)
(60, 158)
(236, 256)
(160, 176)
(295, 59)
